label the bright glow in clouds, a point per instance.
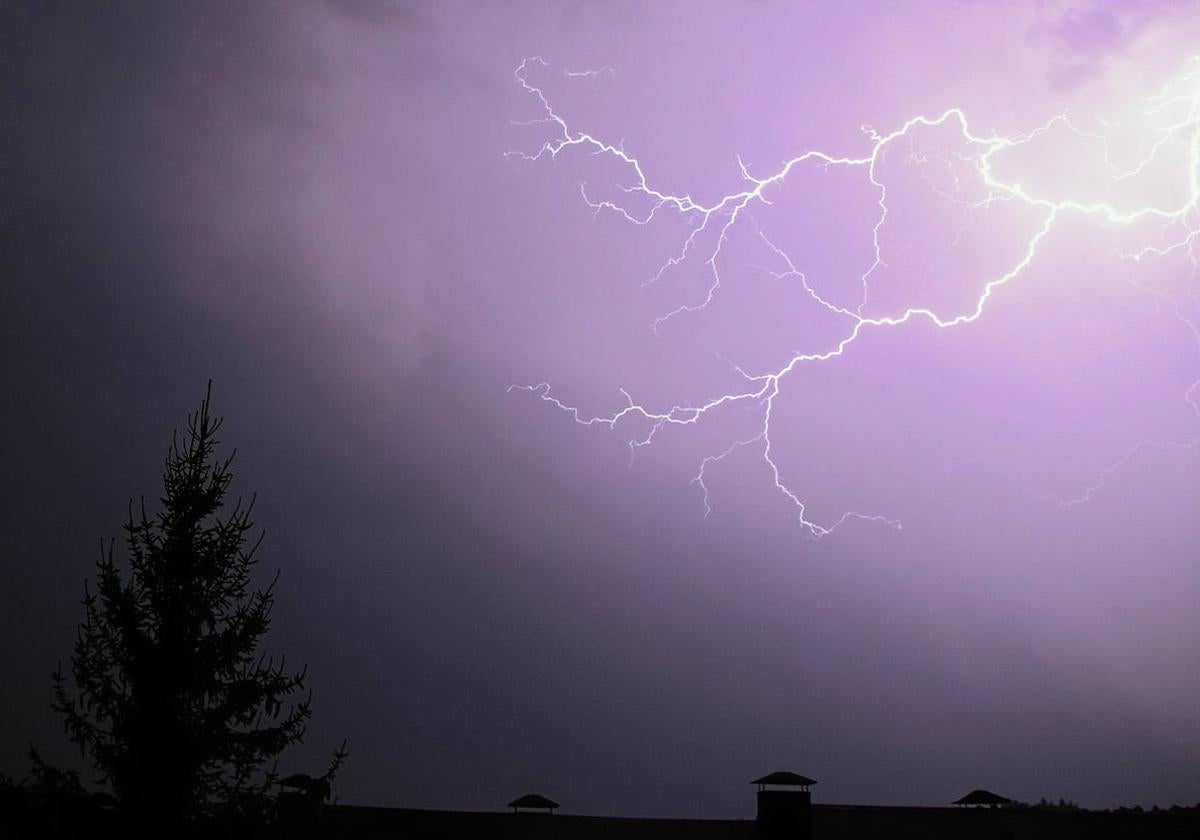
(955, 217)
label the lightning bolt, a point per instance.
(1172, 115)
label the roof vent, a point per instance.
(533, 802)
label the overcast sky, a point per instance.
(310, 204)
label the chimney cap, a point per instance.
(533, 800)
(980, 796)
(783, 777)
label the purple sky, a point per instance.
(311, 203)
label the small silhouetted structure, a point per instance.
(982, 798)
(783, 778)
(301, 805)
(784, 813)
(533, 802)
(316, 787)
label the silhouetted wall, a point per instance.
(785, 814)
(299, 816)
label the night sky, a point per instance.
(312, 204)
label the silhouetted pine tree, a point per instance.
(174, 705)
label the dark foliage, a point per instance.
(1061, 805)
(51, 804)
(172, 702)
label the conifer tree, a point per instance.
(172, 700)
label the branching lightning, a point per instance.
(1172, 115)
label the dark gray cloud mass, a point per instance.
(308, 203)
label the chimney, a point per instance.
(784, 806)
